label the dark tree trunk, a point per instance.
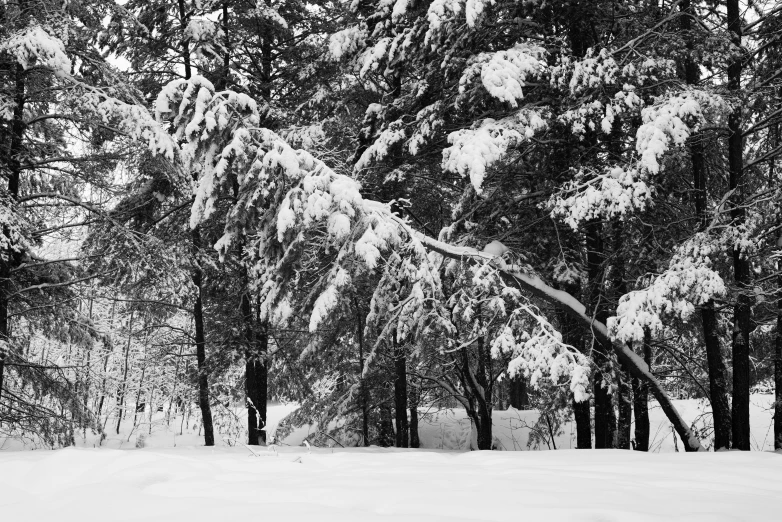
(484, 426)
(718, 389)
(121, 394)
(400, 395)
(778, 373)
(624, 389)
(362, 390)
(255, 375)
(641, 402)
(200, 339)
(415, 442)
(582, 414)
(742, 312)
(385, 427)
(197, 276)
(718, 386)
(483, 393)
(605, 418)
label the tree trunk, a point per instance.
(778, 371)
(415, 442)
(582, 415)
(742, 312)
(400, 395)
(641, 402)
(362, 387)
(605, 418)
(121, 394)
(385, 427)
(718, 388)
(108, 346)
(200, 340)
(197, 277)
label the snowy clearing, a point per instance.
(214, 484)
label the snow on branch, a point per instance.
(689, 281)
(474, 150)
(33, 46)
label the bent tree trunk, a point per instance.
(571, 306)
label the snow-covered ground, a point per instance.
(219, 484)
(172, 477)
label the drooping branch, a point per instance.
(571, 306)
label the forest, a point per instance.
(379, 209)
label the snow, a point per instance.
(174, 478)
(496, 248)
(34, 46)
(208, 484)
(506, 72)
(346, 42)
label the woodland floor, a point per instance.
(220, 484)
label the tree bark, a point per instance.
(197, 276)
(121, 394)
(255, 374)
(742, 312)
(605, 418)
(400, 395)
(778, 371)
(415, 441)
(641, 402)
(718, 388)
(362, 387)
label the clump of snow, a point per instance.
(473, 150)
(347, 42)
(392, 135)
(539, 353)
(496, 248)
(671, 121)
(689, 281)
(613, 193)
(34, 46)
(504, 73)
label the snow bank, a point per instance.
(212, 484)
